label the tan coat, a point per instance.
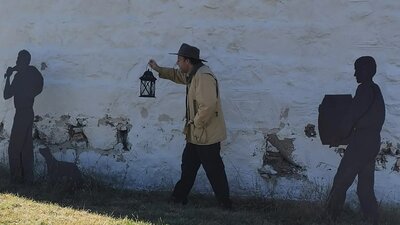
(206, 124)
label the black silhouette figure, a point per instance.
(26, 85)
(367, 113)
(59, 172)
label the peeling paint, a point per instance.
(122, 127)
(144, 113)
(389, 153)
(2, 132)
(309, 130)
(77, 136)
(43, 66)
(165, 118)
(277, 160)
(397, 165)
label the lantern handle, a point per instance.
(148, 68)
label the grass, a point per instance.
(99, 204)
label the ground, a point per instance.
(96, 203)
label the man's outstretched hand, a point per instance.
(153, 64)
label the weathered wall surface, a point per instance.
(275, 60)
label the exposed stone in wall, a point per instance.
(2, 132)
(71, 138)
(277, 160)
(381, 160)
(122, 127)
(283, 117)
(388, 148)
(388, 154)
(340, 151)
(50, 130)
(77, 136)
(309, 130)
(285, 147)
(397, 165)
(82, 132)
(43, 66)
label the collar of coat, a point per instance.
(194, 71)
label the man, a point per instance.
(367, 115)
(205, 125)
(26, 85)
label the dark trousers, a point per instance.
(209, 157)
(353, 165)
(20, 149)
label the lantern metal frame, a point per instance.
(147, 84)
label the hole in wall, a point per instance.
(122, 137)
(277, 159)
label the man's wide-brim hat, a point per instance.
(189, 51)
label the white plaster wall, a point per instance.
(269, 56)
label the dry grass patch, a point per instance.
(19, 210)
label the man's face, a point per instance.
(183, 64)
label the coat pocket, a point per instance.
(195, 107)
(200, 135)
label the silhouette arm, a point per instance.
(362, 101)
(8, 89)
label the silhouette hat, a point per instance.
(189, 51)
